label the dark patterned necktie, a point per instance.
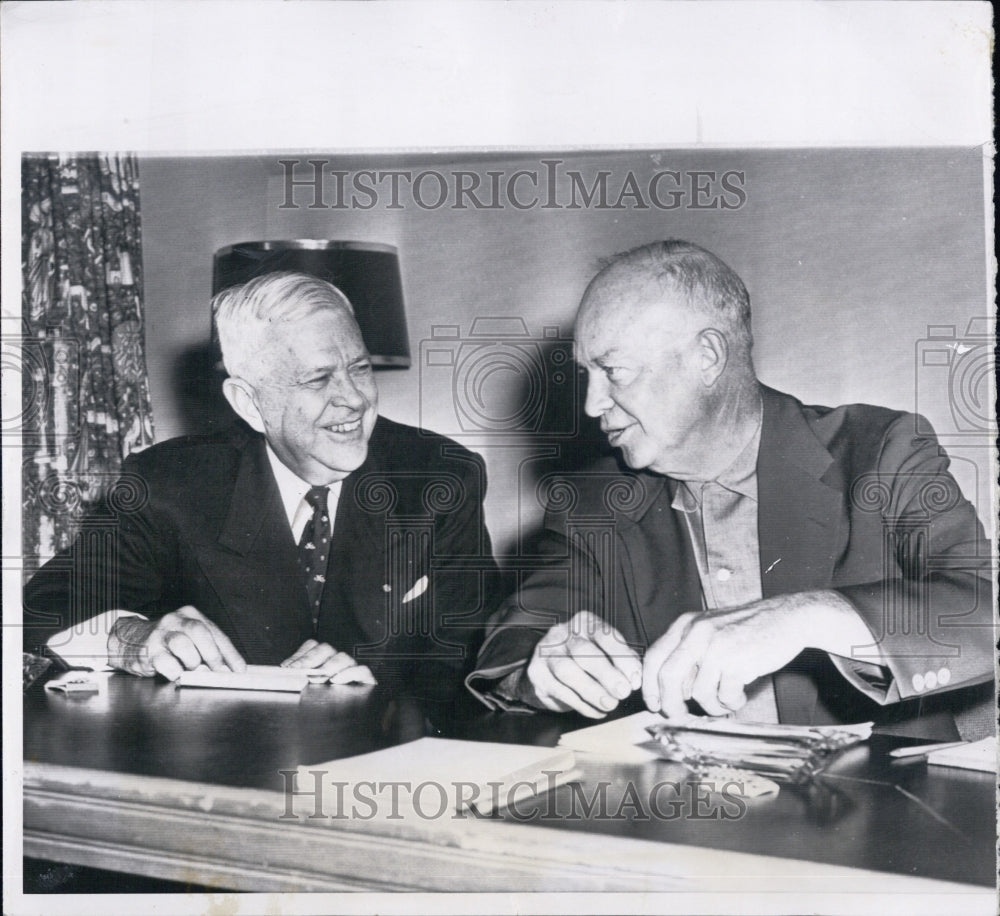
(314, 548)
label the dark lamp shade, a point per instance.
(366, 272)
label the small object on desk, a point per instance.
(732, 781)
(256, 677)
(79, 682)
(971, 755)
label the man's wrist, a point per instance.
(846, 634)
(127, 643)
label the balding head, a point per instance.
(674, 276)
(663, 333)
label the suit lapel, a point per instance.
(354, 601)
(653, 538)
(800, 520)
(367, 497)
(256, 572)
(801, 525)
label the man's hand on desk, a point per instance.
(178, 641)
(322, 658)
(584, 665)
(711, 656)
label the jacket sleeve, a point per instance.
(117, 562)
(464, 584)
(566, 580)
(932, 613)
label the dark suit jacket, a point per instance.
(850, 498)
(199, 521)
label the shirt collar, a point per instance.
(293, 488)
(739, 477)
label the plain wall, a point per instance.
(849, 257)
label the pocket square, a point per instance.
(416, 591)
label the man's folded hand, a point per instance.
(326, 663)
(584, 665)
(178, 641)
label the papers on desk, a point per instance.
(625, 740)
(972, 755)
(256, 677)
(432, 775)
(787, 753)
(701, 742)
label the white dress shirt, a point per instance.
(293, 489)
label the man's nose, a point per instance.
(598, 400)
(345, 393)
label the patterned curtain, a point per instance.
(85, 396)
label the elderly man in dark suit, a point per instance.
(321, 537)
(757, 556)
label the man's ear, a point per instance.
(714, 355)
(243, 399)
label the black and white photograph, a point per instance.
(410, 515)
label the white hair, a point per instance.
(243, 314)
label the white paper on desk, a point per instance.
(620, 740)
(256, 677)
(488, 776)
(974, 755)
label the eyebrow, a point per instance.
(603, 357)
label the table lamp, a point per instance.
(366, 272)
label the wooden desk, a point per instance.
(186, 784)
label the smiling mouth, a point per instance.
(349, 427)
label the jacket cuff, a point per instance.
(85, 644)
(488, 686)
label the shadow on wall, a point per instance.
(536, 406)
(563, 440)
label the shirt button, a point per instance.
(930, 680)
(943, 676)
(724, 575)
(918, 683)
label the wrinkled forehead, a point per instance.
(328, 332)
(629, 313)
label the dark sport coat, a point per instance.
(199, 521)
(851, 498)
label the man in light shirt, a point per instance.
(318, 536)
(747, 555)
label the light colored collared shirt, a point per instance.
(721, 519)
(293, 489)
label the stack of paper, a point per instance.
(974, 755)
(256, 677)
(728, 742)
(784, 752)
(432, 775)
